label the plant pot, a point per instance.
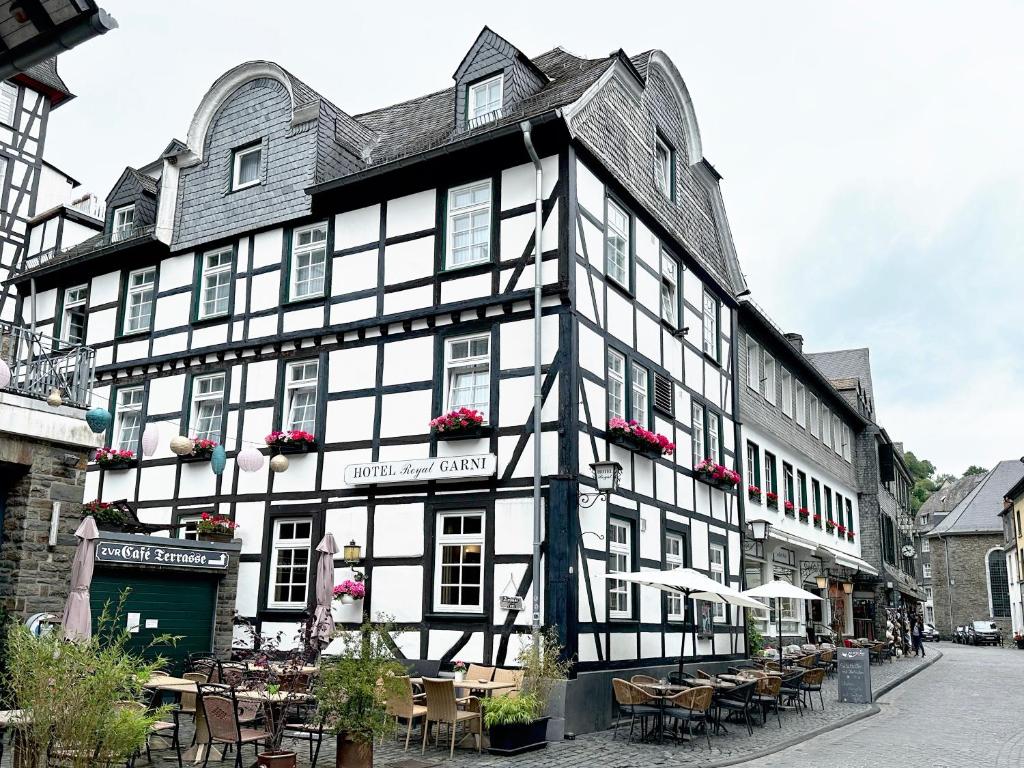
(113, 466)
(514, 739)
(276, 759)
(353, 754)
(347, 600)
(466, 433)
(221, 537)
(109, 526)
(555, 710)
(459, 676)
(724, 485)
(190, 458)
(292, 447)
(1020, 643)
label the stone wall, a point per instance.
(966, 599)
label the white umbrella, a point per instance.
(779, 589)
(323, 629)
(77, 619)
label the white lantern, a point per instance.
(181, 445)
(54, 399)
(249, 459)
(150, 439)
(279, 463)
(5, 374)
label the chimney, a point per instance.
(797, 341)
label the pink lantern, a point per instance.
(249, 459)
(150, 439)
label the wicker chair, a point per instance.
(221, 713)
(442, 707)
(233, 673)
(767, 694)
(187, 703)
(402, 705)
(509, 676)
(827, 661)
(479, 672)
(702, 675)
(807, 662)
(811, 683)
(692, 706)
(738, 701)
(642, 679)
(637, 703)
(677, 678)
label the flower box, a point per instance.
(293, 441)
(107, 516)
(516, 738)
(349, 591)
(754, 494)
(772, 500)
(111, 458)
(849, 535)
(460, 424)
(830, 526)
(841, 530)
(215, 528)
(805, 515)
(790, 509)
(202, 450)
(716, 475)
(630, 435)
(817, 521)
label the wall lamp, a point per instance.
(353, 553)
(606, 475)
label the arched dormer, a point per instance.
(658, 60)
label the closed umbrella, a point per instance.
(777, 590)
(323, 628)
(77, 619)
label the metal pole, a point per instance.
(537, 380)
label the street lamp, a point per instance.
(848, 587)
(606, 476)
(821, 581)
(759, 529)
(353, 554)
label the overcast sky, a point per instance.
(874, 176)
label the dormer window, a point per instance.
(663, 165)
(247, 167)
(484, 102)
(124, 222)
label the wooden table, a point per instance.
(487, 686)
(280, 667)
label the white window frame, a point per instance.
(713, 426)
(787, 393)
(468, 212)
(616, 384)
(212, 398)
(140, 290)
(801, 402)
(309, 249)
(122, 226)
(212, 280)
(925, 545)
(674, 607)
(639, 407)
(926, 570)
(753, 364)
(663, 168)
(279, 546)
(615, 271)
(716, 570)
(826, 425)
(697, 433)
(236, 172)
(474, 115)
(295, 387)
(463, 541)
(710, 325)
(847, 444)
(768, 385)
(669, 289)
(620, 558)
(837, 432)
(81, 301)
(470, 364)
(185, 522)
(8, 103)
(814, 416)
(122, 408)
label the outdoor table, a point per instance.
(662, 691)
(279, 667)
(487, 686)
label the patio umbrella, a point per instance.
(77, 619)
(323, 628)
(777, 590)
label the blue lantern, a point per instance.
(98, 419)
(218, 459)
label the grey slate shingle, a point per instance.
(979, 510)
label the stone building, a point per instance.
(1013, 546)
(969, 575)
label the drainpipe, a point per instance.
(949, 584)
(537, 381)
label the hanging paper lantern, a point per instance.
(249, 459)
(150, 439)
(181, 446)
(54, 399)
(218, 459)
(98, 419)
(5, 374)
(279, 463)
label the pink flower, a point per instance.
(355, 589)
(460, 418)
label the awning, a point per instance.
(849, 561)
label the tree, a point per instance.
(922, 471)
(974, 469)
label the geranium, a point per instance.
(830, 524)
(842, 529)
(459, 666)
(460, 418)
(355, 589)
(291, 437)
(817, 520)
(112, 457)
(790, 507)
(804, 513)
(849, 535)
(208, 523)
(754, 493)
(202, 447)
(103, 512)
(716, 472)
(773, 499)
(632, 432)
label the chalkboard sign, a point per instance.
(855, 676)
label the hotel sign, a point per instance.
(417, 470)
(125, 553)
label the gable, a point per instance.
(491, 55)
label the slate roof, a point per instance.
(979, 511)
(148, 183)
(949, 495)
(45, 74)
(845, 364)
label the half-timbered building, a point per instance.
(292, 266)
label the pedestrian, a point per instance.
(916, 635)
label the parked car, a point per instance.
(930, 633)
(960, 635)
(984, 633)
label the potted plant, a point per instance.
(754, 494)
(202, 450)
(790, 508)
(841, 529)
(349, 591)
(1018, 638)
(805, 515)
(112, 458)
(459, 670)
(830, 526)
(716, 475)
(459, 424)
(515, 724)
(849, 535)
(107, 516)
(291, 441)
(629, 434)
(817, 520)
(772, 499)
(215, 527)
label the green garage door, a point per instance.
(178, 603)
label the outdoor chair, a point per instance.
(642, 679)
(442, 707)
(807, 662)
(221, 713)
(401, 705)
(479, 672)
(509, 676)
(187, 702)
(636, 702)
(312, 730)
(164, 729)
(232, 673)
(676, 678)
(811, 683)
(691, 706)
(767, 693)
(737, 701)
(791, 693)
(702, 675)
(827, 661)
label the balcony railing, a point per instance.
(52, 256)
(41, 364)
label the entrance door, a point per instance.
(178, 603)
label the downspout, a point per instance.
(537, 381)
(949, 585)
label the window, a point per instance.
(620, 557)
(616, 244)
(812, 416)
(801, 403)
(638, 405)
(787, 393)
(925, 518)
(815, 497)
(468, 373)
(458, 570)
(469, 224)
(771, 469)
(769, 378)
(663, 165)
(928, 593)
(710, 325)
(674, 559)
(828, 503)
(926, 570)
(714, 444)
(926, 546)
(787, 482)
(837, 432)
(72, 322)
(716, 558)
(300, 395)
(998, 584)
(127, 419)
(309, 261)
(753, 464)
(826, 425)
(3, 170)
(847, 450)
(669, 290)
(849, 515)
(616, 385)
(8, 102)
(801, 487)
(484, 102)
(124, 223)
(187, 527)
(207, 407)
(247, 167)
(215, 283)
(289, 571)
(139, 301)
(697, 430)
(753, 365)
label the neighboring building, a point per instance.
(884, 483)
(32, 32)
(931, 513)
(1013, 545)
(798, 446)
(969, 574)
(292, 266)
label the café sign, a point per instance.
(126, 553)
(417, 470)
